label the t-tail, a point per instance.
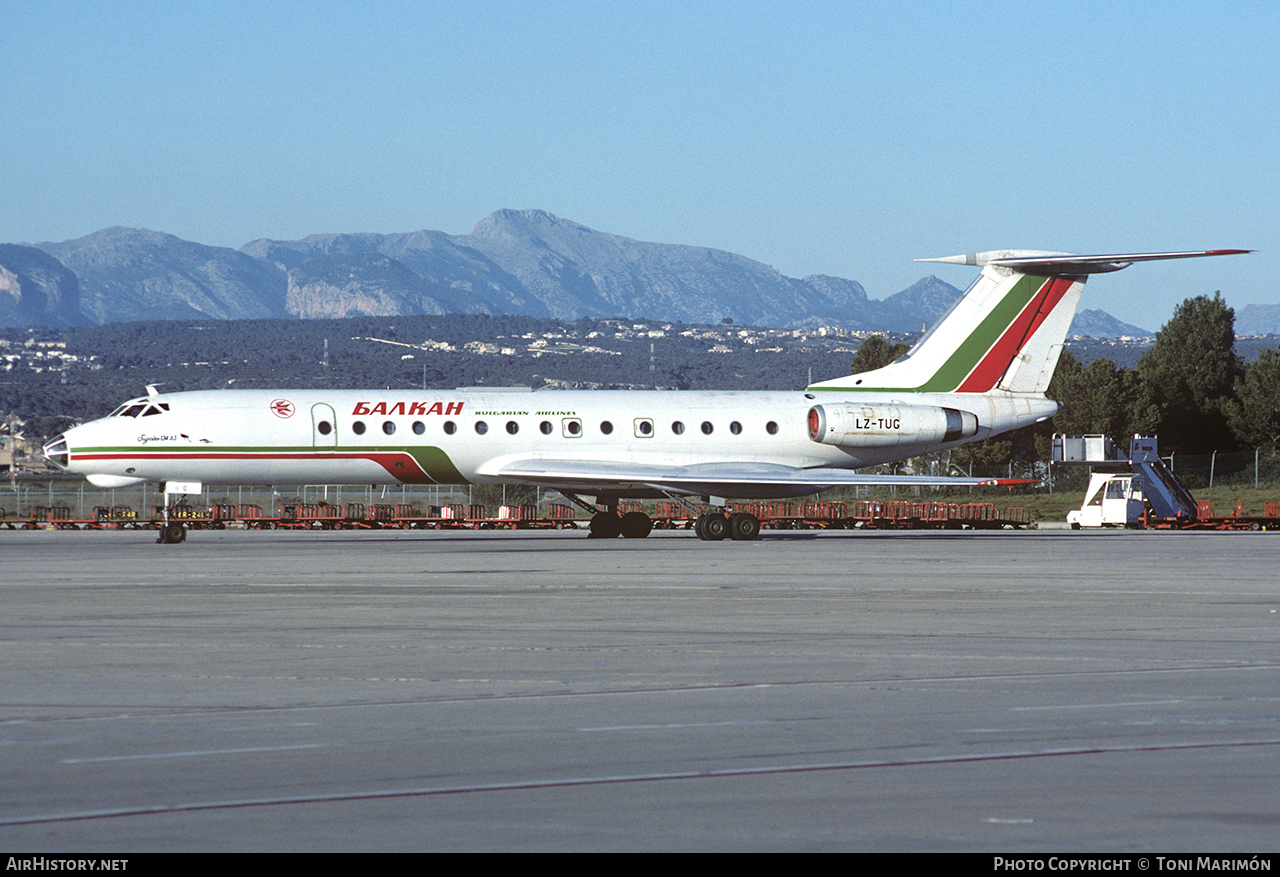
(1006, 332)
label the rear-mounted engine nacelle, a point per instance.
(848, 425)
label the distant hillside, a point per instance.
(369, 285)
(520, 262)
(1100, 324)
(136, 274)
(37, 289)
(1258, 320)
(532, 263)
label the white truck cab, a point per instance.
(1112, 500)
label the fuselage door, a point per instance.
(324, 428)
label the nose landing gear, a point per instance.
(172, 534)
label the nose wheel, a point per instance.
(172, 534)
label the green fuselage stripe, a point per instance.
(436, 463)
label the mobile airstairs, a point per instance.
(1123, 499)
(1149, 495)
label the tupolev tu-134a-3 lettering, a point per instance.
(981, 370)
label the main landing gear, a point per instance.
(632, 525)
(711, 526)
(714, 526)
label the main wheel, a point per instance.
(605, 526)
(635, 525)
(744, 527)
(715, 527)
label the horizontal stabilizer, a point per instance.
(1045, 263)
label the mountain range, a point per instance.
(525, 262)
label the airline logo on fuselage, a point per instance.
(406, 408)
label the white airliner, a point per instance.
(980, 371)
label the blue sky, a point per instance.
(819, 138)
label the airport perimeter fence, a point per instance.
(80, 501)
(1246, 470)
(1258, 468)
(77, 500)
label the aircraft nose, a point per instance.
(57, 452)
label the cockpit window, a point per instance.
(140, 408)
(58, 452)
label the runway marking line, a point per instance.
(195, 753)
(568, 782)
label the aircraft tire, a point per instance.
(715, 527)
(605, 526)
(635, 525)
(172, 534)
(744, 527)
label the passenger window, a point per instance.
(545, 427)
(735, 428)
(707, 428)
(358, 427)
(388, 427)
(644, 427)
(323, 427)
(677, 428)
(481, 427)
(512, 427)
(572, 427)
(419, 427)
(450, 427)
(606, 428)
(771, 427)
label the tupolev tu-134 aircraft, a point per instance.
(980, 371)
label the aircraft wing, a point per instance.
(746, 480)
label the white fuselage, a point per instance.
(467, 436)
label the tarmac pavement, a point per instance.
(1000, 692)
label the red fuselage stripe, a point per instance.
(400, 465)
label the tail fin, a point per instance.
(1006, 332)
